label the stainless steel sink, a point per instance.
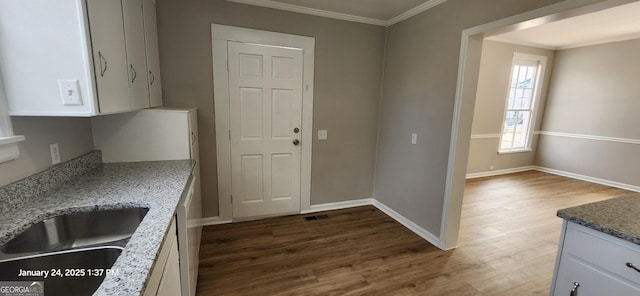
(73, 272)
(77, 230)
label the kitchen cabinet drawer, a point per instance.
(605, 251)
(592, 280)
(597, 262)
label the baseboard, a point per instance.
(338, 205)
(589, 179)
(423, 233)
(500, 172)
(426, 235)
(213, 221)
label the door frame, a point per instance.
(467, 80)
(220, 35)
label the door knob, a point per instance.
(296, 142)
(296, 130)
(574, 291)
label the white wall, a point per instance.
(419, 89)
(592, 119)
(73, 136)
(493, 82)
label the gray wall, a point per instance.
(348, 66)
(594, 92)
(419, 92)
(495, 70)
(73, 136)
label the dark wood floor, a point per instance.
(508, 242)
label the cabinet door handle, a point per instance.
(133, 73)
(574, 291)
(103, 64)
(630, 265)
(153, 77)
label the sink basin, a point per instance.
(77, 230)
(81, 270)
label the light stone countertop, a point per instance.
(619, 217)
(156, 185)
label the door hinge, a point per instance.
(229, 135)
(227, 65)
(232, 199)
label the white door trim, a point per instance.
(220, 35)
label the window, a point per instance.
(522, 96)
(8, 141)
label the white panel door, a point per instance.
(265, 91)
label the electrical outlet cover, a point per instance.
(55, 153)
(322, 134)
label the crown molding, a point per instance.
(312, 11)
(342, 16)
(416, 10)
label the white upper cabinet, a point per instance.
(136, 56)
(153, 55)
(75, 57)
(109, 55)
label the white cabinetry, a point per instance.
(165, 276)
(146, 135)
(153, 55)
(97, 45)
(109, 56)
(189, 214)
(136, 53)
(595, 264)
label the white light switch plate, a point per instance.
(414, 139)
(322, 134)
(70, 92)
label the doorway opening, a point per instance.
(468, 73)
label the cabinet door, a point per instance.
(194, 150)
(153, 55)
(170, 282)
(592, 280)
(136, 56)
(109, 54)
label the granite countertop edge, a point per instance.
(618, 217)
(156, 185)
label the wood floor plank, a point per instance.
(507, 246)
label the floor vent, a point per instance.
(317, 217)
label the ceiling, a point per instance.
(375, 12)
(609, 25)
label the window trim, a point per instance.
(8, 141)
(537, 93)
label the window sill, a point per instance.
(514, 151)
(9, 148)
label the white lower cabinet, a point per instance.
(165, 276)
(591, 263)
(170, 282)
